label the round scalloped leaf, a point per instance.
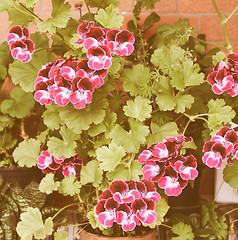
(138, 108)
(48, 185)
(60, 235)
(69, 186)
(230, 174)
(81, 119)
(20, 103)
(110, 156)
(27, 152)
(31, 224)
(91, 173)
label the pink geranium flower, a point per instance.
(171, 182)
(122, 193)
(17, 33)
(186, 167)
(120, 42)
(128, 203)
(21, 47)
(46, 162)
(106, 211)
(99, 57)
(222, 146)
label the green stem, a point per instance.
(165, 225)
(87, 6)
(62, 209)
(215, 198)
(233, 210)
(228, 18)
(211, 44)
(192, 118)
(100, 5)
(223, 23)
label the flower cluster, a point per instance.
(222, 146)
(67, 81)
(164, 164)
(225, 76)
(100, 43)
(50, 164)
(20, 45)
(128, 203)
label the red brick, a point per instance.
(164, 6)
(206, 6)
(38, 6)
(211, 26)
(4, 25)
(235, 47)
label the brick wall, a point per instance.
(201, 13)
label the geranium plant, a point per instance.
(121, 121)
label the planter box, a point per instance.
(226, 194)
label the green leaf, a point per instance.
(69, 186)
(109, 17)
(3, 72)
(165, 98)
(168, 58)
(19, 16)
(105, 126)
(151, 20)
(187, 76)
(31, 224)
(131, 140)
(169, 129)
(60, 13)
(135, 79)
(219, 113)
(51, 117)
(117, 65)
(184, 231)
(182, 102)
(60, 235)
(25, 74)
(5, 54)
(149, 4)
(177, 33)
(27, 152)
(48, 185)
(6, 121)
(79, 120)
(60, 17)
(5, 5)
(31, 3)
(93, 220)
(91, 173)
(230, 174)
(110, 156)
(124, 172)
(104, 4)
(20, 103)
(47, 26)
(140, 108)
(220, 56)
(65, 147)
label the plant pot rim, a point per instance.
(150, 235)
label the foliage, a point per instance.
(91, 104)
